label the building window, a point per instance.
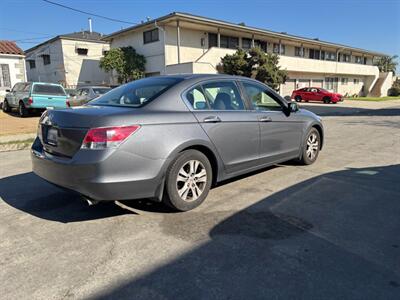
(313, 54)
(32, 64)
(356, 81)
(261, 44)
(212, 40)
(150, 36)
(299, 51)
(46, 59)
(330, 56)
(279, 48)
(331, 83)
(345, 58)
(229, 42)
(246, 43)
(365, 60)
(5, 80)
(358, 60)
(82, 51)
(344, 81)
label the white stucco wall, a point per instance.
(16, 64)
(53, 72)
(83, 69)
(153, 52)
(67, 67)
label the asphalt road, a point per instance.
(326, 231)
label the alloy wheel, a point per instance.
(312, 146)
(191, 180)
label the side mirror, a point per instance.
(8, 90)
(293, 107)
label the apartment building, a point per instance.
(69, 59)
(184, 43)
(12, 66)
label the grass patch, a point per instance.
(27, 141)
(373, 98)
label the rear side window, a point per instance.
(101, 91)
(137, 93)
(47, 89)
(219, 95)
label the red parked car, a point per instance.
(316, 94)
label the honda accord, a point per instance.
(171, 138)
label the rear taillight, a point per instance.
(30, 100)
(107, 137)
(68, 104)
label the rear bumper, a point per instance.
(102, 175)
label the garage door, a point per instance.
(288, 87)
(317, 83)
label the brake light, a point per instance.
(68, 104)
(107, 137)
(30, 100)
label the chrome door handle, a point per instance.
(212, 119)
(265, 119)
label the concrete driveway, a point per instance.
(326, 231)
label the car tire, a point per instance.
(22, 110)
(311, 147)
(326, 100)
(297, 99)
(6, 108)
(188, 181)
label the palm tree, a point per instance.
(387, 64)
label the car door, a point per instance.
(231, 127)
(11, 95)
(314, 94)
(280, 133)
(16, 94)
(84, 97)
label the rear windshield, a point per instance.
(101, 91)
(48, 89)
(136, 93)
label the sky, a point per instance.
(368, 24)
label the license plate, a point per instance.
(52, 134)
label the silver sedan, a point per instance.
(171, 138)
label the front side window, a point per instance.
(101, 91)
(137, 93)
(261, 98)
(47, 89)
(150, 36)
(219, 95)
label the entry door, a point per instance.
(280, 135)
(232, 128)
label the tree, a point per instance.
(126, 62)
(256, 64)
(387, 64)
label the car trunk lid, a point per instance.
(62, 131)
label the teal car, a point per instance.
(28, 97)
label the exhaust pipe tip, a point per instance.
(90, 201)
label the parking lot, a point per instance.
(325, 231)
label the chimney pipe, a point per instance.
(90, 25)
